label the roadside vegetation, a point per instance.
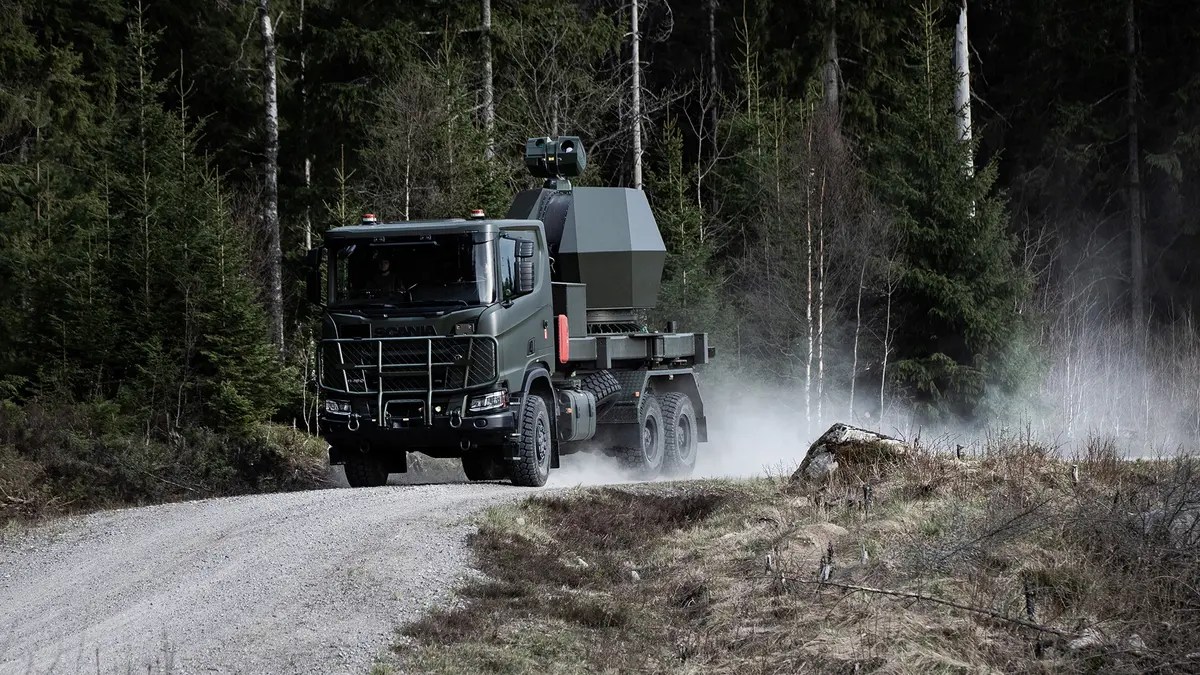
(1009, 560)
(57, 459)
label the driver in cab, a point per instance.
(384, 279)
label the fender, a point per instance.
(533, 374)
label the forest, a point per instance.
(904, 212)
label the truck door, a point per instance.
(525, 334)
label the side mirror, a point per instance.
(314, 289)
(525, 260)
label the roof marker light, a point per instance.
(369, 219)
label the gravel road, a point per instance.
(298, 582)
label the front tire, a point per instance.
(643, 453)
(534, 447)
(364, 470)
(679, 435)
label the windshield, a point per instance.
(428, 270)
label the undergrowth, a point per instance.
(68, 458)
(1011, 561)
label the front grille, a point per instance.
(408, 365)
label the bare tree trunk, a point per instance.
(489, 106)
(808, 284)
(887, 344)
(862, 274)
(831, 72)
(712, 74)
(1137, 267)
(408, 150)
(307, 157)
(636, 86)
(821, 304)
(271, 178)
(962, 91)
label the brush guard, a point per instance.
(407, 370)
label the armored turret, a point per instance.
(603, 237)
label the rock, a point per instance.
(634, 576)
(820, 466)
(843, 444)
(1136, 644)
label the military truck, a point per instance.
(506, 342)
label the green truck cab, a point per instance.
(505, 342)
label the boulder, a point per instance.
(843, 444)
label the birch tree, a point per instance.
(489, 102)
(962, 69)
(271, 177)
(635, 87)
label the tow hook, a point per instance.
(352, 424)
(455, 420)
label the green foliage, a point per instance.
(424, 154)
(128, 277)
(691, 281)
(959, 286)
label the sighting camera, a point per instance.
(555, 158)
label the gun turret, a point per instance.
(604, 237)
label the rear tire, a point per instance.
(679, 435)
(364, 470)
(483, 467)
(536, 444)
(643, 453)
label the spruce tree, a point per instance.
(959, 289)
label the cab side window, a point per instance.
(508, 267)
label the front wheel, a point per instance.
(532, 466)
(365, 470)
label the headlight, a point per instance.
(467, 328)
(337, 407)
(496, 399)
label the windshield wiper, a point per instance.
(435, 303)
(364, 304)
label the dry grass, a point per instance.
(998, 563)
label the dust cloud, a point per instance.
(752, 431)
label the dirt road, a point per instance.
(300, 582)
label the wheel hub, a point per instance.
(650, 439)
(683, 434)
(541, 441)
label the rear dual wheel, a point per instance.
(664, 441)
(643, 451)
(680, 435)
